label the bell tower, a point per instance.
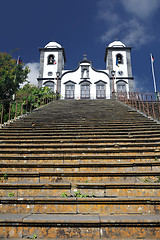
(52, 60)
(118, 64)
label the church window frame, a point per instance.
(50, 84)
(121, 86)
(51, 59)
(100, 89)
(119, 58)
(70, 90)
(85, 89)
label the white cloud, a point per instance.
(34, 72)
(106, 11)
(141, 8)
(140, 84)
(131, 33)
(137, 33)
(108, 16)
(133, 29)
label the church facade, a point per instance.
(85, 82)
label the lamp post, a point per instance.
(57, 74)
(113, 75)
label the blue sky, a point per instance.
(85, 26)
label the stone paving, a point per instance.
(80, 169)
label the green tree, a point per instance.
(33, 96)
(11, 75)
(32, 90)
(26, 100)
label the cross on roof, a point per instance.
(84, 56)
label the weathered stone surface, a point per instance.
(87, 169)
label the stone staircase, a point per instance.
(80, 169)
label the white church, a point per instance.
(85, 82)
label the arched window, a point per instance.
(49, 84)
(121, 86)
(100, 90)
(51, 59)
(119, 58)
(85, 90)
(70, 90)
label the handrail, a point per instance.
(14, 108)
(147, 103)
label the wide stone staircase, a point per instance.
(80, 170)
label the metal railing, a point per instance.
(10, 109)
(147, 103)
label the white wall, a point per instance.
(122, 67)
(50, 67)
(94, 76)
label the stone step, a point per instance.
(83, 158)
(75, 120)
(81, 119)
(81, 129)
(146, 145)
(113, 164)
(78, 126)
(80, 176)
(114, 132)
(75, 167)
(78, 137)
(50, 205)
(139, 189)
(27, 121)
(34, 189)
(102, 163)
(32, 237)
(81, 140)
(79, 226)
(80, 151)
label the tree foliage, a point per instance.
(26, 100)
(11, 75)
(33, 96)
(32, 90)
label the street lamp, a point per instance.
(113, 75)
(57, 74)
